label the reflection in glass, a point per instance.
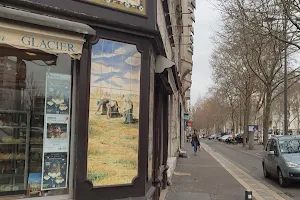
(22, 106)
(114, 113)
(289, 146)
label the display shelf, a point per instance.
(11, 143)
(3, 160)
(10, 175)
(13, 112)
(14, 127)
(14, 148)
(38, 113)
(18, 192)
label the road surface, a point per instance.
(251, 164)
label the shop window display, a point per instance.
(114, 113)
(35, 91)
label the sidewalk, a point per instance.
(202, 177)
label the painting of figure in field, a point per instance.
(114, 113)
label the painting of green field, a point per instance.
(114, 114)
(113, 145)
(112, 151)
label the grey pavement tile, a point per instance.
(227, 197)
(264, 194)
(207, 177)
(268, 198)
(188, 196)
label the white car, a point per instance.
(224, 137)
(212, 137)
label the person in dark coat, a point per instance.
(195, 142)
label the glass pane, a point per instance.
(114, 113)
(31, 84)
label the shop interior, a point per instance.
(22, 122)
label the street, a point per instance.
(250, 162)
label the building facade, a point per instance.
(93, 89)
(92, 96)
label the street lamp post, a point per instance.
(285, 79)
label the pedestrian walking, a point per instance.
(195, 142)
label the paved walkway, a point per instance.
(259, 190)
(202, 177)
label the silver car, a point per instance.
(282, 159)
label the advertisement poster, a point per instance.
(56, 131)
(55, 171)
(34, 184)
(56, 134)
(58, 94)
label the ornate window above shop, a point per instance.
(114, 113)
(132, 6)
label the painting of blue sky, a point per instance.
(115, 65)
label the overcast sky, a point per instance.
(207, 22)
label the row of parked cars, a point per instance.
(227, 138)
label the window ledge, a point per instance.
(58, 197)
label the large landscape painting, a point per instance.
(114, 113)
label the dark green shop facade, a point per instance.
(79, 91)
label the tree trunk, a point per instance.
(232, 119)
(266, 117)
(240, 117)
(298, 121)
(251, 140)
(246, 117)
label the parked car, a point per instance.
(282, 159)
(239, 139)
(229, 139)
(223, 138)
(212, 137)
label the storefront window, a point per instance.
(35, 91)
(114, 113)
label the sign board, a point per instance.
(189, 123)
(132, 6)
(186, 116)
(25, 37)
(253, 128)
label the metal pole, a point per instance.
(285, 80)
(248, 195)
